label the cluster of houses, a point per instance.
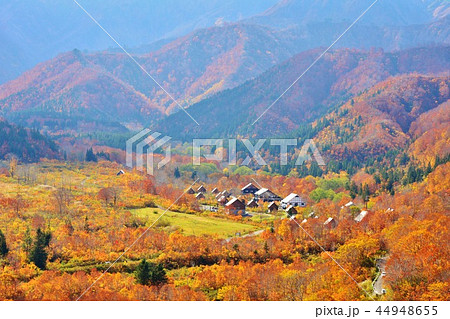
(238, 205)
(256, 196)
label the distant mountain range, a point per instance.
(77, 92)
(288, 13)
(33, 31)
(337, 77)
(227, 74)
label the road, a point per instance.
(378, 284)
(255, 233)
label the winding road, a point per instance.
(378, 283)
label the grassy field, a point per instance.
(195, 224)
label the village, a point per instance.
(252, 199)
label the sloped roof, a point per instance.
(361, 216)
(290, 197)
(349, 204)
(252, 202)
(290, 207)
(233, 200)
(249, 185)
(329, 220)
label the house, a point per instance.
(292, 200)
(121, 172)
(225, 193)
(349, 204)
(215, 191)
(273, 207)
(330, 222)
(291, 211)
(222, 200)
(201, 189)
(235, 206)
(252, 204)
(209, 208)
(266, 195)
(249, 189)
(361, 216)
(190, 191)
(200, 196)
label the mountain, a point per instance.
(77, 92)
(75, 89)
(28, 145)
(288, 13)
(338, 76)
(33, 31)
(391, 115)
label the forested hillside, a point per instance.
(334, 80)
(26, 144)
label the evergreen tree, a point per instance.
(194, 175)
(157, 274)
(353, 188)
(365, 192)
(411, 175)
(38, 254)
(90, 156)
(150, 273)
(428, 169)
(177, 174)
(142, 273)
(3, 247)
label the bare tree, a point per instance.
(110, 195)
(62, 197)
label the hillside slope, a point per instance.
(38, 30)
(333, 80)
(28, 145)
(392, 115)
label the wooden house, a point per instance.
(225, 193)
(266, 195)
(215, 191)
(200, 196)
(291, 211)
(235, 206)
(222, 200)
(293, 200)
(330, 222)
(252, 204)
(249, 189)
(190, 191)
(361, 216)
(201, 189)
(121, 172)
(273, 207)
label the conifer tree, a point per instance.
(38, 254)
(90, 156)
(142, 273)
(177, 174)
(3, 246)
